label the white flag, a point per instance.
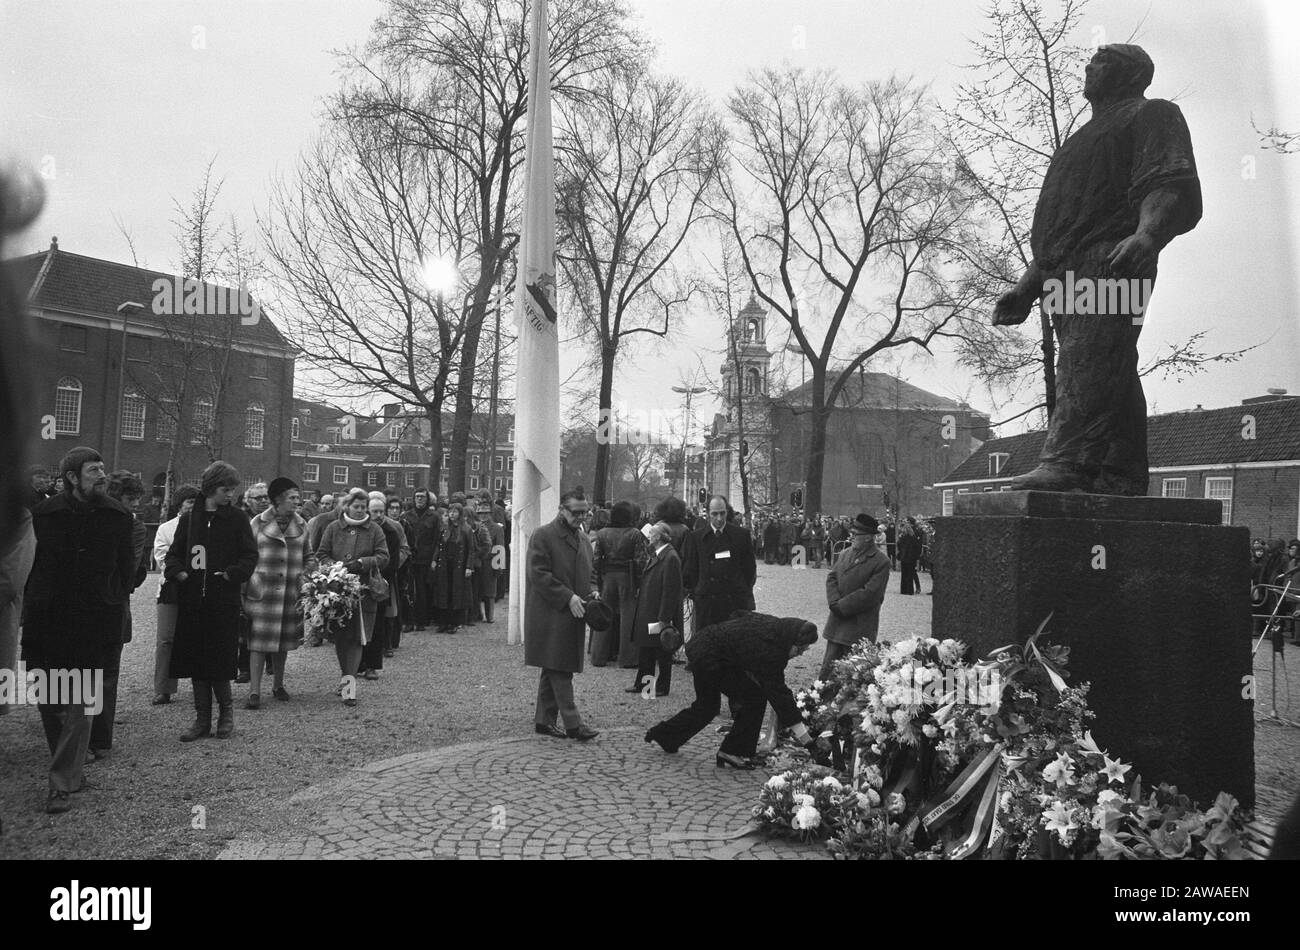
(535, 496)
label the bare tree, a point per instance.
(725, 289)
(1006, 124)
(352, 238)
(636, 157)
(843, 197)
(188, 385)
(450, 77)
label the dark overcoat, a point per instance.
(206, 644)
(856, 585)
(720, 571)
(559, 566)
(456, 553)
(660, 598)
(80, 583)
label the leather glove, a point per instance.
(353, 567)
(835, 610)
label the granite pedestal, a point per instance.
(1152, 597)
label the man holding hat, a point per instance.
(855, 589)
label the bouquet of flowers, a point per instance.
(955, 760)
(808, 802)
(329, 596)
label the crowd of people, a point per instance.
(609, 586)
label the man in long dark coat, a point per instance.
(658, 602)
(718, 567)
(426, 525)
(559, 584)
(1116, 193)
(79, 588)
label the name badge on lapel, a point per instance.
(721, 554)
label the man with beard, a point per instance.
(79, 587)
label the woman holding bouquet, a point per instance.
(212, 554)
(356, 542)
(271, 596)
(453, 568)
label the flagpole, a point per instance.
(535, 496)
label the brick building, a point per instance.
(1247, 457)
(334, 449)
(145, 387)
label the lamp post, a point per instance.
(125, 309)
(688, 392)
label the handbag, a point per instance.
(670, 639)
(378, 586)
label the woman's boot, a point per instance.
(226, 714)
(202, 712)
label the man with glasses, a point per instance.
(559, 584)
(79, 588)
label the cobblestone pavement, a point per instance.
(434, 747)
(536, 797)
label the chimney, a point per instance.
(1273, 395)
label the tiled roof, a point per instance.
(1200, 437)
(880, 391)
(74, 282)
(1023, 450)
(1215, 436)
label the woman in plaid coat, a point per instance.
(271, 595)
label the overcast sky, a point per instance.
(123, 102)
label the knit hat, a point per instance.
(278, 487)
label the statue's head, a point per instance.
(1117, 71)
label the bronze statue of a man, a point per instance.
(1117, 191)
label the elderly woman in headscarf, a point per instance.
(356, 541)
(745, 659)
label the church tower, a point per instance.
(745, 377)
(749, 330)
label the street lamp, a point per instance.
(688, 392)
(125, 309)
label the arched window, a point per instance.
(67, 406)
(752, 331)
(753, 382)
(201, 427)
(254, 425)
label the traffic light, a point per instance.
(796, 498)
(704, 496)
(744, 447)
